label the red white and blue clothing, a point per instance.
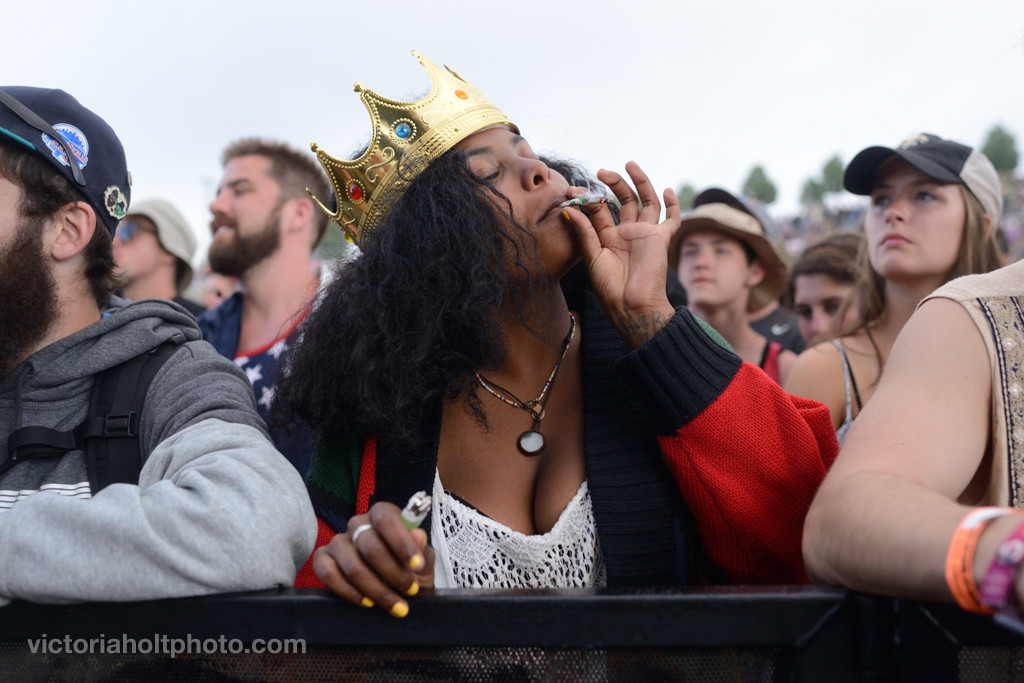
(222, 327)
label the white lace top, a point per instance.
(474, 551)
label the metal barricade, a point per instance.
(705, 634)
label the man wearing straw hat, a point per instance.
(729, 267)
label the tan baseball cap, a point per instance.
(172, 231)
(945, 160)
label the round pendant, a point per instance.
(531, 443)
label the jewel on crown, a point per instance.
(406, 138)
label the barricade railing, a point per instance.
(706, 634)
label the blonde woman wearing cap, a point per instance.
(934, 205)
(926, 499)
(728, 267)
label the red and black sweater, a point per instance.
(691, 455)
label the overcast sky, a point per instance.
(695, 92)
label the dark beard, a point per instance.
(235, 256)
(28, 296)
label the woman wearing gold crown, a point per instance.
(505, 345)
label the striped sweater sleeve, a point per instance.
(747, 456)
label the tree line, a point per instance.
(1000, 147)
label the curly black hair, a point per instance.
(416, 313)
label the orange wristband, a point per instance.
(960, 558)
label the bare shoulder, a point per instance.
(787, 359)
(858, 343)
(929, 417)
(940, 347)
(821, 353)
(882, 519)
(817, 374)
(865, 353)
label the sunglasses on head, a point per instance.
(127, 231)
(36, 121)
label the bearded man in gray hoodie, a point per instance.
(216, 507)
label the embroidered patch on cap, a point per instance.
(113, 199)
(76, 141)
(914, 141)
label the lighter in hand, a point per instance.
(415, 511)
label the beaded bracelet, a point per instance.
(960, 558)
(996, 589)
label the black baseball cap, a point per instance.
(944, 160)
(77, 142)
(717, 194)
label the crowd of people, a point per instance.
(577, 382)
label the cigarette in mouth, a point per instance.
(586, 197)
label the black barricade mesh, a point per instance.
(988, 664)
(463, 665)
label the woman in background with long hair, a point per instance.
(934, 206)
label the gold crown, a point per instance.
(407, 137)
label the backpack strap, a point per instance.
(110, 433)
(30, 443)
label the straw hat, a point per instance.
(717, 210)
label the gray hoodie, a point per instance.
(217, 508)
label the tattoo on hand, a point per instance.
(638, 328)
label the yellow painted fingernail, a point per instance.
(413, 589)
(367, 602)
(400, 609)
(565, 215)
(416, 562)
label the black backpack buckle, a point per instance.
(125, 425)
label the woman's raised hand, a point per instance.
(377, 561)
(627, 262)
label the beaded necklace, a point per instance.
(531, 442)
